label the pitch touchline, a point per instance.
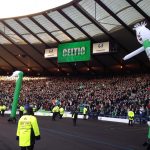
(87, 139)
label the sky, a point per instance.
(16, 8)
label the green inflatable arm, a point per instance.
(18, 74)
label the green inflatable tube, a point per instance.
(17, 92)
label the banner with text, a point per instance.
(76, 51)
(50, 53)
(100, 47)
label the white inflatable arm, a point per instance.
(148, 123)
(15, 74)
(136, 52)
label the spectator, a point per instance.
(109, 96)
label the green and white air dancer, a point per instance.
(19, 75)
(143, 37)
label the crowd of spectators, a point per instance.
(109, 96)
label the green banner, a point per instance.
(76, 51)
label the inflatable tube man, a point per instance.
(18, 74)
(143, 37)
(147, 143)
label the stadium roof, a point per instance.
(18, 8)
(23, 40)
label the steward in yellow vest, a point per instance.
(34, 109)
(21, 110)
(28, 130)
(3, 109)
(130, 117)
(55, 111)
(84, 113)
(61, 112)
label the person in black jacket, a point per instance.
(75, 116)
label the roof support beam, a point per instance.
(15, 46)
(46, 45)
(37, 23)
(51, 35)
(58, 26)
(23, 38)
(75, 24)
(19, 22)
(115, 16)
(139, 10)
(8, 26)
(19, 46)
(13, 54)
(13, 67)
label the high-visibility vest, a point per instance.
(131, 115)
(1, 107)
(25, 111)
(55, 109)
(61, 110)
(21, 108)
(34, 109)
(4, 107)
(25, 124)
(84, 110)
